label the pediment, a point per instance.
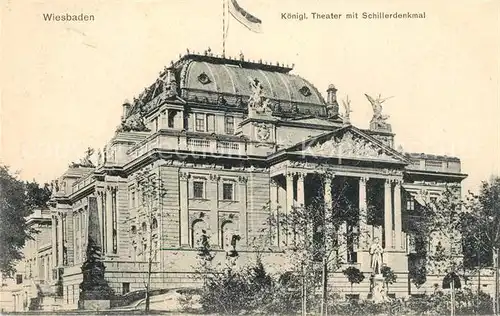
(348, 143)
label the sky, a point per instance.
(63, 83)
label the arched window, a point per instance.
(133, 230)
(197, 229)
(154, 224)
(144, 227)
(227, 232)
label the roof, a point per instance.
(208, 76)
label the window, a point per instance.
(133, 230)
(200, 122)
(410, 204)
(171, 118)
(132, 198)
(227, 191)
(19, 278)
(210, 123)
(229, 125)
(125, 288)
(154, 224)
(198, 190)
(144, 227)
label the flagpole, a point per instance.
(224, 28)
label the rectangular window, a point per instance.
(210, 123)
(227, 191)
(198, 190)
(19, 278)
(200, 122)
(125, 288)
(229, 125)
(410, 204)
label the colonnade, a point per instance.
(290, 193)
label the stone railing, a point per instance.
(434, 163)
(194, 144)
(82, 183)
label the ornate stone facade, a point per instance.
(228, 154)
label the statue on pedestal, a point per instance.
(346, 118)
(379, 120)
(257, 103)
(376, 252)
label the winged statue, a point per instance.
(378, 118)
(347, 107)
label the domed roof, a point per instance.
(209, 77)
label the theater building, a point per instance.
(232, 142)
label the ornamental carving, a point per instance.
(349, 146)
(263, 132)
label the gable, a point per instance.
(348, 143)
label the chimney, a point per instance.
(331, 100)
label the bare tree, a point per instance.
(151, 191)
(319, 235)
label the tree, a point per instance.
(320, 233)
(151, 191)
(389, 276)
(483, 221)
(17, 201)
(354, 275)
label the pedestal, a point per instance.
(378, 289)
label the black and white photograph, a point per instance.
(249, 157)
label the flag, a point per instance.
(251, 22)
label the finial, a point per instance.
(180, 55)
(293, 65)
(171, 64)
(260, 61)
(242, 57)
(187, 51)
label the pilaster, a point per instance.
(183, 208)
(214, 209)
(243, 226)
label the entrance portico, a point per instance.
(305, 172)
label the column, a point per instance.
(60, 240)
(327, 183)
(388, 214)
(242, 181)
(273, 203)
(54, 243)
(363, 215)
(289, 203)
(397, 216)
(300, 189)
(183, 205)
(109, 221)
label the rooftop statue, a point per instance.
(85, 161)
(346, 118)
(257, 103)
(378, 120)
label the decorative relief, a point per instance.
(305, 91)
(184, 175)
(263, 132)
(349, 146)
(242, 179)
(214, 177)
(203, 78)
